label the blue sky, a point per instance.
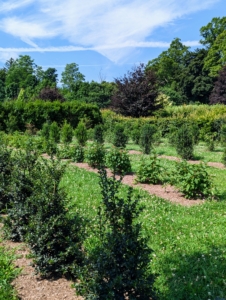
(105, 38)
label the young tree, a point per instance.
(135, 93)
(71, 76)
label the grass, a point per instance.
(7, 273)
(189, 244)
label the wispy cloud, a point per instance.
(111, 27)
(7, 6)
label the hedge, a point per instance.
(14, 115)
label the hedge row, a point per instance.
(15, 115)
(208, 122)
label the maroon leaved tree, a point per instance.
(50, 94)
(218, 94)
(135, 93)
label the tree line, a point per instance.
(177, 76)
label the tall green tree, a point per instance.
(71, 76)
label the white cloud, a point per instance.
(7, 6)
(111, 27)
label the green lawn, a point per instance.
(189, 244)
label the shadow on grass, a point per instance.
(198, 276)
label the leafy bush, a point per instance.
(194, 181)
(81, 133)
(98, 134)
(54, 132)
(53, 236)
(184, 142)
(147, 137)
(120, 138)
(22, 187)
(119, 266)
(45, 132)
(95, 155)
(118, 161)
(77, 153)
(223, 134)
(66, 133)
(135, 135)
(149, 170)
(6, 167)
(224, 157)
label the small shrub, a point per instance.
(224, 157)
(118, 161)
(66, 133)
(6, 167)
(77, 154)
(45, 131)
(50, 147)
(120, 138)
(54, 132)
(119, 266)
(149, 170)
(135, 135)
(54, 237)
(223, 134)
(184, 142)
(147, 137)
(81, 133)
(98, 134)
(95, 155)
(194, 181)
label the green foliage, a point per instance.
(149, 170)
(98, 134)
(77, 153)
(118, 161)
(8, 272)
(6, 167)
(120, 138)
(95, 155)
(22, 187)
(223, 134)
(184, 141)
(147, 137)
(49, 147)
(66, 133)
(194, 181)
(81, 133)
(119, 265)
(54, 237)
(45, 132)
(54, 132)
(135, 135)
(224, 157)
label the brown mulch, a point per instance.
(32, 287)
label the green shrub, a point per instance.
(118, 161)
(66, 133)
(135, 135)
(50, 147)
(223, 134)
(119, 265)
(6, 167)
(45, 132)
(224, 157)
(98, 134)
(184, 142)
(95, 155)
(77, 153)
(54, 132)
(120, 138)
(54, 237)
(194, 181)
(147, 137)
(149, 170)
(81, 133)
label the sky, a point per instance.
(105, 38)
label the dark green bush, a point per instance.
(54, 237)
(147, 137)
(81, 133)
(6, 167)
(45, 132)
(150, 170)
(119, 266)
(98, 134)
(120, 138)
(95, 155)
(66, 133)
(184, 141)
(224, 157)
(223, 134)
(135, 135)
(118, 161)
